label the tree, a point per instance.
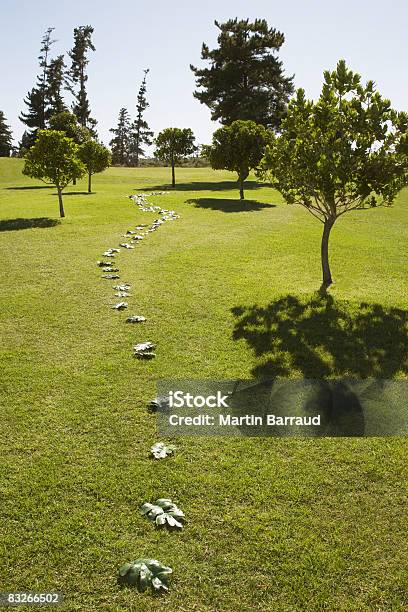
(245, 79)
(6, 140)
(27, 141)
(121, 142)
(54, 159)
(141, 134)
(77, 76)
(238, 147)
(55, 85)
(343, 152)
(67, 122)
(95, 157)
(36, 101)
(172, 145)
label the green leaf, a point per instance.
(160, 450)
(161, 519)
(123, 570)
(143, 573)
(173, 522)
(145, 577)
(177, 513)
(163, 502)
(146, 508)
(158, 584)
(132, 575)
(164, 513)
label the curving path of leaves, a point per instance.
(144, 572)
(142, 350)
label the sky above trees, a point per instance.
(167, 37)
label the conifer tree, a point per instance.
(120, 144)
(141, 134)
(36, 101)
(26, 142)
(55, 85)
(78, 77)
(6, 139)
(245, 80)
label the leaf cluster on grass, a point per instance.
(163, 512)
(144, 573)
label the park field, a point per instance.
(229, 291)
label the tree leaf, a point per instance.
(143, 573)
(164, 513)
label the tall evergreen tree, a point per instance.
(78, 77)
(36, 101)
(120, 144)
(141, 134)
(6, 140)
(26, 142)
(55, 85)
(245, 80)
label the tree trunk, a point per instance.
(89, 182)
(173, 174)
(327, 277)
(61, 205)
(74, 181)
(242, 176)
(241, 188)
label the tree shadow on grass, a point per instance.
(205, 186)
(229, 206)
(321, 338)
(9, 225)
(32, 187)
(73, 193)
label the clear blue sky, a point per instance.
(166, 36)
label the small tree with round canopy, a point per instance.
(68, 123)
(172, 145)
(344, 152)
(238, 147)
(54, 159)
(95, 157)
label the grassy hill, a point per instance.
(273, 524)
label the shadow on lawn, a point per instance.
(229, 206)
(206, 186)
(9, 225)
(321, 337)
(32, 187)
(73, 193)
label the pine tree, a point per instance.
(55, 85)
(141, 134)
(26, 142)
(245, 79)
(120, 144)
(78, 76)
(37, 114)
(6, 139)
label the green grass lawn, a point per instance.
(228, 291)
